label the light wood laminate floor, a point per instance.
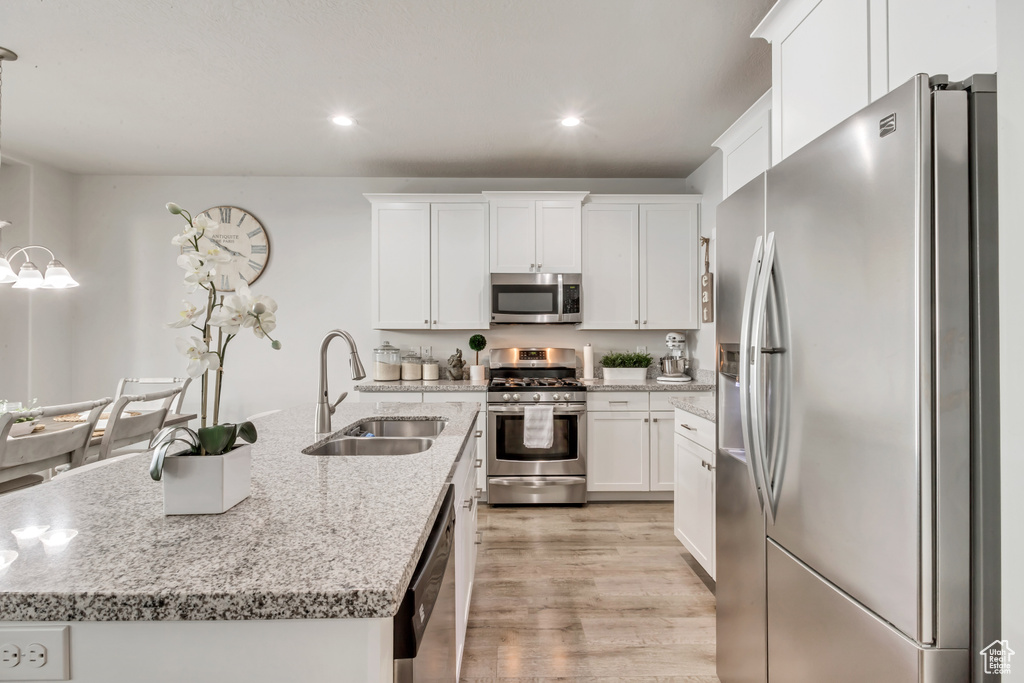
(601, 593)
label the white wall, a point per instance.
(707, 181)
(1011, 318)
(36, 327)
(318, 272)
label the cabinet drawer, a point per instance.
(455, 397)
(660, 399)
(618, 400)
(391, 397)
(696, 429)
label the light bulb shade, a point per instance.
(7, 275)
(58, 277)
(29, 277)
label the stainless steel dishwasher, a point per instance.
(424, 628)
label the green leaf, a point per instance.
(217, 439)
(626, 360)
(247, 432)
(478, 342)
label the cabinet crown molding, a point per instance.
(643, 199)
(538, 196)
(403, 198)
(746, 125)
(783, 18)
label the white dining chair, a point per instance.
(133, 384)
(129, 433)
(26, 455)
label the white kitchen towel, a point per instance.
(538, 426)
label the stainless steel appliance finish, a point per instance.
(424, 627)
(854, 249)
(536, 298)
(521, 475)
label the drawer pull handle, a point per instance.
(478, 463)
(479, 433)
(479, 538)
(467, 504)
(618, 403)
(686, 426)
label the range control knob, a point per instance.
(505, 397)
(554, 397)
(515, 397)
(536, 397)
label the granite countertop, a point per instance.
(321, 537)
(650, 384)
(701, 406)
(414, 385)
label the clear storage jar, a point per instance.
(412, 366)
(387, 363)
(431, 369)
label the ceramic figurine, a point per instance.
(455, 365)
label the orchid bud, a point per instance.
(173, 208)
(276, 345)
(259, 308)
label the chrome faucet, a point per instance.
(324, 409)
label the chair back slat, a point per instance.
(123, 428)
(183, 382)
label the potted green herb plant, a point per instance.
(209, 473)
(477, 343)
(619, 368)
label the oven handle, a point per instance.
(560, 409)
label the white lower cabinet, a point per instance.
(694, 499)
(466, 502)
(662, 451)
(618, 451)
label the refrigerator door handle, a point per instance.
(746, 427)
(758, 452)
(782, 384)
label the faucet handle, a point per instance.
(334, 406)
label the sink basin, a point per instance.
(384, 445)
(398, 428)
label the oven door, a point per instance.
(506, 454)
(526, 298)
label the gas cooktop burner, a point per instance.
(535, 382)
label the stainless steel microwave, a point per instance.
(532, 298)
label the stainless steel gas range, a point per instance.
(520, 475)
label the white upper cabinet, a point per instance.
(459, 277)
(400, 287)
(747, 146)
(611, 266)
(640, 266)
(535, 232)
(830, 58)
(669, 267)
(429, 262)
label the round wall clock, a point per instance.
(244, 238)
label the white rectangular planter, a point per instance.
(207, 484)
(624, 375)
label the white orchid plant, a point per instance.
(229, 314)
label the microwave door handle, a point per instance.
(561, 294)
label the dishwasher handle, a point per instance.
(410, 622)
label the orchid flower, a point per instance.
(200, 359)
(198, 271)
(187, 315)
(204, 225)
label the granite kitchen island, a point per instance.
(297, 582)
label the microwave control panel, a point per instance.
(570, 299)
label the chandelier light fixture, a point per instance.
(29, 276)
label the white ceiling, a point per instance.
(461, 88)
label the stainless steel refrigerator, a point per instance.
(857, 470)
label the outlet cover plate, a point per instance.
(56, 640)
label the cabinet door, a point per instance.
(669, 274)
(694, 508)
(400, 271)
(618, 451)
(513, 236)
(459, 278)
(465, 548)
(559, 236)
(662, 451)
(611, 267)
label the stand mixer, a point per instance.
(675, 364)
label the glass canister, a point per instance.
(412, 366)
(431, 368)
(387, 363)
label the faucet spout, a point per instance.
(324, 409)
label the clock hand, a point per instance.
(230, 251)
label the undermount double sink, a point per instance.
(383, 437)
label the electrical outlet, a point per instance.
(10, 655)
(42, 653)
(641, 349)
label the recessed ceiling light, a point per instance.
(571, 121)
(343, 120)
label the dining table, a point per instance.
(52, 424)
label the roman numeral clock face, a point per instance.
(244, 239)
